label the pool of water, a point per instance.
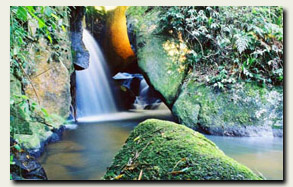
(263, 155)
(85, 152)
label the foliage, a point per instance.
(222, 79)
(23, 111)
(246, 41)
(27, 25)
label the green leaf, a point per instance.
(21, 13)
(210, 20)
(11, 160)
(24, 97)
(50, 38)
(242, 43)
(45, 112)
(63, 28)
(40, 21)
(55, 16)
(11, 101)
(30, 9)
(34, 106)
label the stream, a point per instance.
(86, 151)
(88, 148)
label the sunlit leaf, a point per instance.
(21, 13)
(46, 114)
(55, 16)
(63, 28)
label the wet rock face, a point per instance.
(30, 127)
(163, 150)
(23, 166)
(50, 82)
(243, 110)
(131, 34)
(48, 85)
(116, 45)
(80, 54)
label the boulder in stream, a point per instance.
(163, 150)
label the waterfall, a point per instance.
(93, 92)
(146, 98)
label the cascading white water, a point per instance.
(145, 97)
(140, 101)
(93, 92)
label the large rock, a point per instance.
(161, 59)
(116, 45)
(159, 68)
(50, 80)
(244, 110)
(162, 150)
(30, 126)
(40, 98)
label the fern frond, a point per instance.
(241, 43)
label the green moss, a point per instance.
(186, 110)
(162, 150)
(243, 105)
(19, 121)
(253, 90)
(243, 118)
(159, 68)
(165, 72)
(29, 141)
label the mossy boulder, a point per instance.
(241, 109)
(244, 110)
(163, 150)
(160, 58)
(39, 134)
